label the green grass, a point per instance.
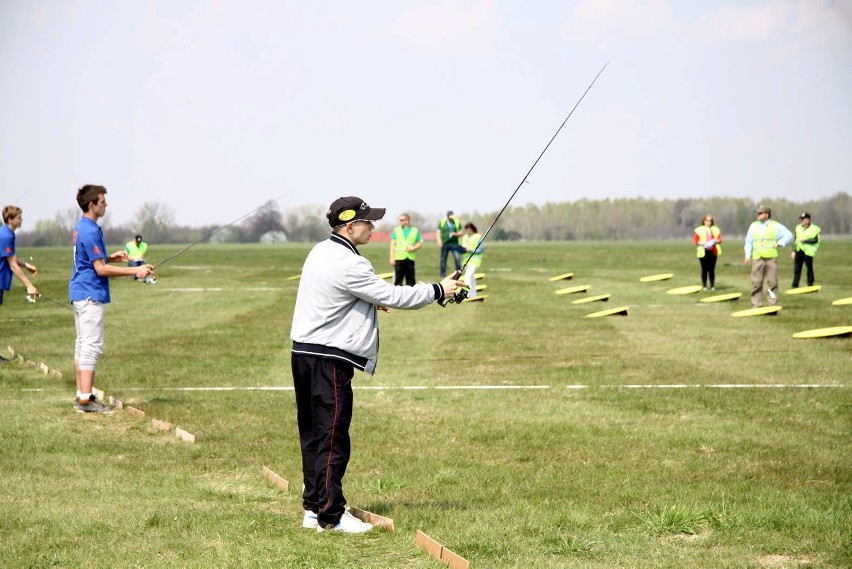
(607, 475)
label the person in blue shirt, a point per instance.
(88, 290)
(762, 241)
(9, 262)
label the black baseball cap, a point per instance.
(804, 215)
(349, 208)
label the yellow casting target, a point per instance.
(803, 290)
(825, 332)
(757, 311)
(684, 290)
(842, 301)
(294, 277)
(722, 297)
(561, 277)
(385, 275)
(611, 311)
(660, 277)
(591, 299)
(573, 289)
(480, 298)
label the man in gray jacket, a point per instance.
(335, 331)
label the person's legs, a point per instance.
(470, 280)
(703, 262)
(772, 281)
(398, 274)
(457, 251)
(757, 271)
(303, 370)
(809, 263)
(445, 249)
(332, 413)
(408, 272)
(798, 259)
(711, 269)
(89, 322)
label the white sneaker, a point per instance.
(310, 520)
(348, 524)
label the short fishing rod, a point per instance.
(462, 294)
(152, 278)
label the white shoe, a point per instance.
(347, 524)
(310, 520)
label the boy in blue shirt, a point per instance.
(9, 263)
(88, 290)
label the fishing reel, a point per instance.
(150, 279)
(458, 297)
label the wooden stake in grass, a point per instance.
(439, 552)
(183, 435)
(371, 518)
(276, 480)
(138, 413)
(161, 425)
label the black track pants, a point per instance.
(324, 410)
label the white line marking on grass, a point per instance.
(492, 387)
(194, 289)
(498, 387)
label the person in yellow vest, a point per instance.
(761, 252)
(136, 250)
(804, 249)
(708, 239)
(447, 236)
(405, 240)
(474, 249)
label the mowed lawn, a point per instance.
(515, 431)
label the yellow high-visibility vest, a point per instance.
(812, 231)
(473, 242)
(401, 240)
(704, 236)
(136, 251)
(764, 240)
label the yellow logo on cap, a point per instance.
(347, 214)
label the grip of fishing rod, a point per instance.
(443, 302)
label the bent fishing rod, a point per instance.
(462, 294)
(152, 278)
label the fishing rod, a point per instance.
(152, 278)
(462, 294)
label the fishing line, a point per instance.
(462, 294)
(151, 279)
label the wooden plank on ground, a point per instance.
(138, 413)
(429, 545)
(183, 435)
(371, 518)
(161, 425)
(276, 480)
(454, 560)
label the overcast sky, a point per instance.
(213, 107)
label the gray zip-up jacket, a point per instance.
(335, 314)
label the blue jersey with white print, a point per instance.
(7, 249)
(88, 240)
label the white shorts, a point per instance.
(89, 321)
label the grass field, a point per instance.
(589, 455)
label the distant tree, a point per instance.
(267, 218)
(156, 221)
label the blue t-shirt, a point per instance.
(88, 240)
(7, 249)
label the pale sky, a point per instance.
(213, 107)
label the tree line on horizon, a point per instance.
(585, 219)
